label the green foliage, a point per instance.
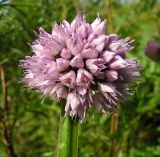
(34, 125)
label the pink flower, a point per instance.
(68, 79)
(84, 78)
(111, 75)
(66, 54)
(118, 63)
(96, 67)
(62, 64)
(99, 26)
(100, 42)
(79, 62)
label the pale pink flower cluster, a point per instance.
(79, 62)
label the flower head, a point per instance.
(78, 61)
(152, 50)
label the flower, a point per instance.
(79, 62)
(152, 50)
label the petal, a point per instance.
(65, 53)
(91, 66)
(101, 28)
(106, 87)
(111, 75)
(108, 56)
(77, 61)
(62, 64)
(82, 90)
(84, 78)
(98, 26)
(119, 63)
(100, 42)
(91, 37)
(62, 92)
(112, 37)
(59, 34)
(89, 53)
(75, 45)
(59, 91)
(68, 79)
(49, 42)
(95, 65)
(73, 102)
(96, 23)
(37, 49)
(53, 72)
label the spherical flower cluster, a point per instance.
(79, 62)
(152, 50)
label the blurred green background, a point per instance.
(32, 126)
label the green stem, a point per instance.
(114, 127)
(68, 135)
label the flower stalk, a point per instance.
(7, 133)
(68, 135)
(114, 127)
